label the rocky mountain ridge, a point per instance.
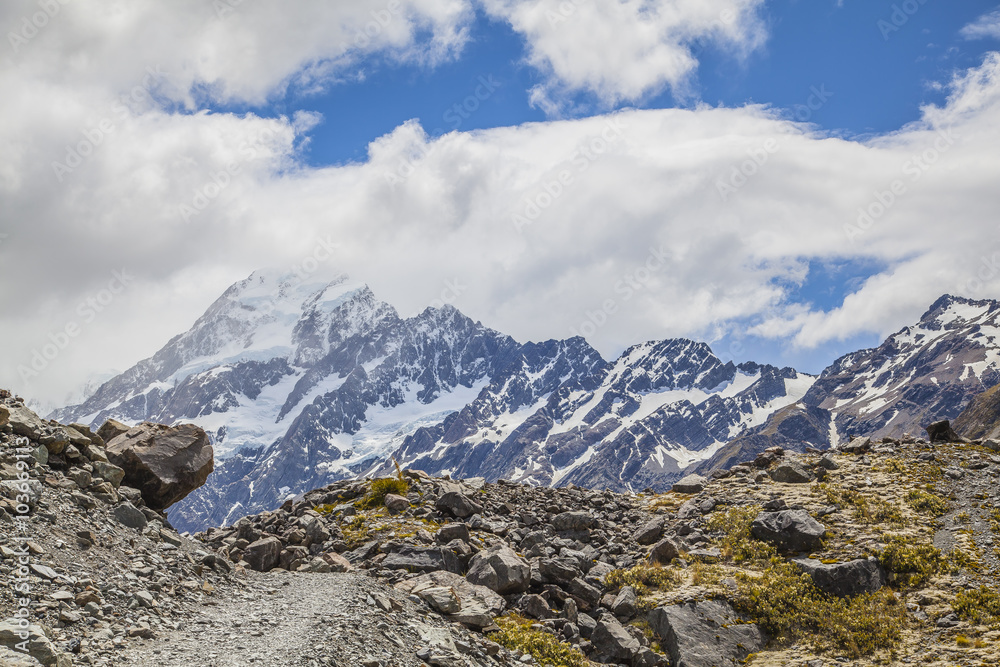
(300, 384)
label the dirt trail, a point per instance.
(304, 620)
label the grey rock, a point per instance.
(626, 604)
(828, 462)
(573, 521)
(457, 505)
(705, 634)
(263, 555)
(453, 531)
(650, 532)
(128, 515)
(396, 504)
(664, 551)
(109, 472)
(690, 484)
(40, 647)
(844, 579)
(423, 559)
(612, 643)
(500, 569)
(792, 530)
(791, 473)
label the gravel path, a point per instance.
(306, 620)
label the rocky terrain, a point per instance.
(880, 552)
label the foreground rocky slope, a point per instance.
(881, 553)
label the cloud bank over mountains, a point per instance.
(118, 156)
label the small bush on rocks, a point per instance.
(380, 488)
(641, 578)
(787, 605)
(735, 542)
(519, 634)
(980, 606)
(927, 503)
(916, 563)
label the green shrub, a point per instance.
(734, 541)
(641, 578)
(786, 604)
(980, 606)
(517, 634)
(918, 563)
(927, 503)
(380, 488)
(866, 509)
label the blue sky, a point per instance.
(772, 272)
(853, 68)
(879, 78)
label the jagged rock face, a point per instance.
(924, 373)
(302, 384)
(981, 420)
(632, 424)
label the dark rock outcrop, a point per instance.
(165, 463)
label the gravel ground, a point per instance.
(282, 619)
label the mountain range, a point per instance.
(303, 383)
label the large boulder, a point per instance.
(690, 484)
(477, 605)
(612, 643)
(942, 432)
(792, 473)
(791, 530)
(458, 505)
(165, 463)
(423, 559)
(864, 575)
(573, 521)
(500, 569)
(263, 555)
(705, 634)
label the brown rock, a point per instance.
(165, 463)
(111, 430)
(263, 554)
